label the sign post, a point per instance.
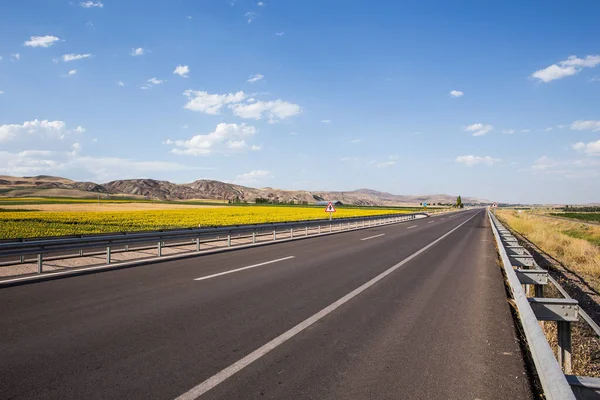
(330, 209)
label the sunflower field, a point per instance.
(28, 224)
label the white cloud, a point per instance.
(189, 17)
(155, 81)
(568, 67)
(274, 110)
(585, 126)
(479, 129)
(137, 52)
(225, 136)
(252, 177)
(261, 4)
(251, 15)
(386, 164)
(91, 4)
(472, 160)
(80, 129)
(592, 148)
(456, 93)
(570, 169)
(548, 129)
(72, 72)
(120, 83)
(509, 131)
(326, 121)
(41, 41)
(525, 130)
(74, 57)
(237, 145)
(182, 70)
(293, 134)
(255, 78)
(256, 148)
(279, 33)
(1, 91)
(37, 129)
(210, 103)
(15, 57)
(355, 141)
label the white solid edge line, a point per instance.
(373, 237)
(414, 226)
(242, 269)
(221, 376)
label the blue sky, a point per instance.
(495, 100)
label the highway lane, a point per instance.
(156, 332)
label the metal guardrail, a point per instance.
(41, 247)
(522, 270)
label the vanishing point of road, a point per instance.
(415, 310)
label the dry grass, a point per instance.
(563, 240)
(84, 207)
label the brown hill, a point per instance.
(50, 186)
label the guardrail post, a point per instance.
(564, 345)
(197, 244)
(108, 254)
(539, 290)
(22, 259)
(228, 240)
(159, 249)
(274, 235)
(253, 236)
(292, 232)
(80, 252)
(330, 228)
(40, 267)
(126, 249)
(306, 230)
(319, 229)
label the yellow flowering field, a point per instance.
(25, 224)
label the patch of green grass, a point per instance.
(590, 217)
(579, 234)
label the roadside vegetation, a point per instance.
(574, 244)
(582, 216)
(46, 223)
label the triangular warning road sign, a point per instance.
(330, 207)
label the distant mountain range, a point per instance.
(52, 186)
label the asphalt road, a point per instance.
(356, 315)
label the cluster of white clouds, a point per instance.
(75, 57)
(586, 126)
(182, 70)
(91, 4)
(226, 139)
(591, 148)
(36, 128)
(41, 41)
(255, 78)
(471, 160)
(479, 129)
(137, 52)
(571, 66)
(252, 177)
(456, 93)
(241, 105)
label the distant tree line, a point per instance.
(261, 200)
(582, 209)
